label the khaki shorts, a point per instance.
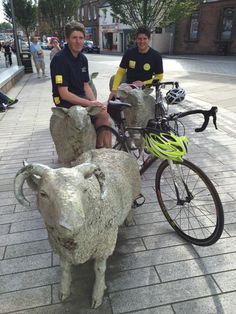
(40, 64)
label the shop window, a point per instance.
(82, 14)
(94, 12)
(227, 24)
(194, 24)
(104, 11)
(89, 13)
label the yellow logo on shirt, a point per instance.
(59, 79)
(146, 67)
(132, 64)
(56, 100)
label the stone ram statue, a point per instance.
(141, 111)
(142, 107)
(82, 208)
(72, 131)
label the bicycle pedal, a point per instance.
(137, 202)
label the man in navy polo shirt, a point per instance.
(141, 64)
(70, 77)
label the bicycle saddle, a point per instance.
(117, 104)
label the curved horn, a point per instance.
(21, 176)
(88, 169)
(100, 175)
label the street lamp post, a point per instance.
(15, 34)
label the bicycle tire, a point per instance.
(200, 220)
(117, 142)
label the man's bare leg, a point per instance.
(104, 139)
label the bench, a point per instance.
(10, 76)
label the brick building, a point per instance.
(210, 30)
(89, 16)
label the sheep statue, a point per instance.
(71, 129)
(82, 208)
(142, 107)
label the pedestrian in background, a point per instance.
(38, 56)
(7, 52)
(55, 49)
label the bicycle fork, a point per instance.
(179, 177)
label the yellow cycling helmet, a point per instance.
(166, 145)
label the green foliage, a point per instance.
(151, 13)
(57, 13)
(5, 25)
(179, 10)
(25, 13)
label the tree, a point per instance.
(57, 13)
(151, 13)
(25, 14)
(5, 25)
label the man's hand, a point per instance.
(112, 95)
(138, 83)
(95, 103)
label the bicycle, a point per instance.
(187, 197)
(162, 105)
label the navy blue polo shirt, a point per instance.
(66, 70)
(141, 66)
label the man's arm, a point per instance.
(119, 75)
(88, 92)
(65, 94)
(158, 77)
(117, 80)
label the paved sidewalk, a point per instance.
(152, 271)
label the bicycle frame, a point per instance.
(160, 108)
(189, 196)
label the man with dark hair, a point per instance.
(70, 79)
(142, 64)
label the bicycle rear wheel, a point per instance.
(192, 206)
(117, 142)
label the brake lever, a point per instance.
(212, 112)
(204, 125)
(214, 116)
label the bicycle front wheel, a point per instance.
(116, 141)
(190, 202)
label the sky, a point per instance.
(1, 13)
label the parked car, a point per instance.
(90, 47)
(44, 45)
